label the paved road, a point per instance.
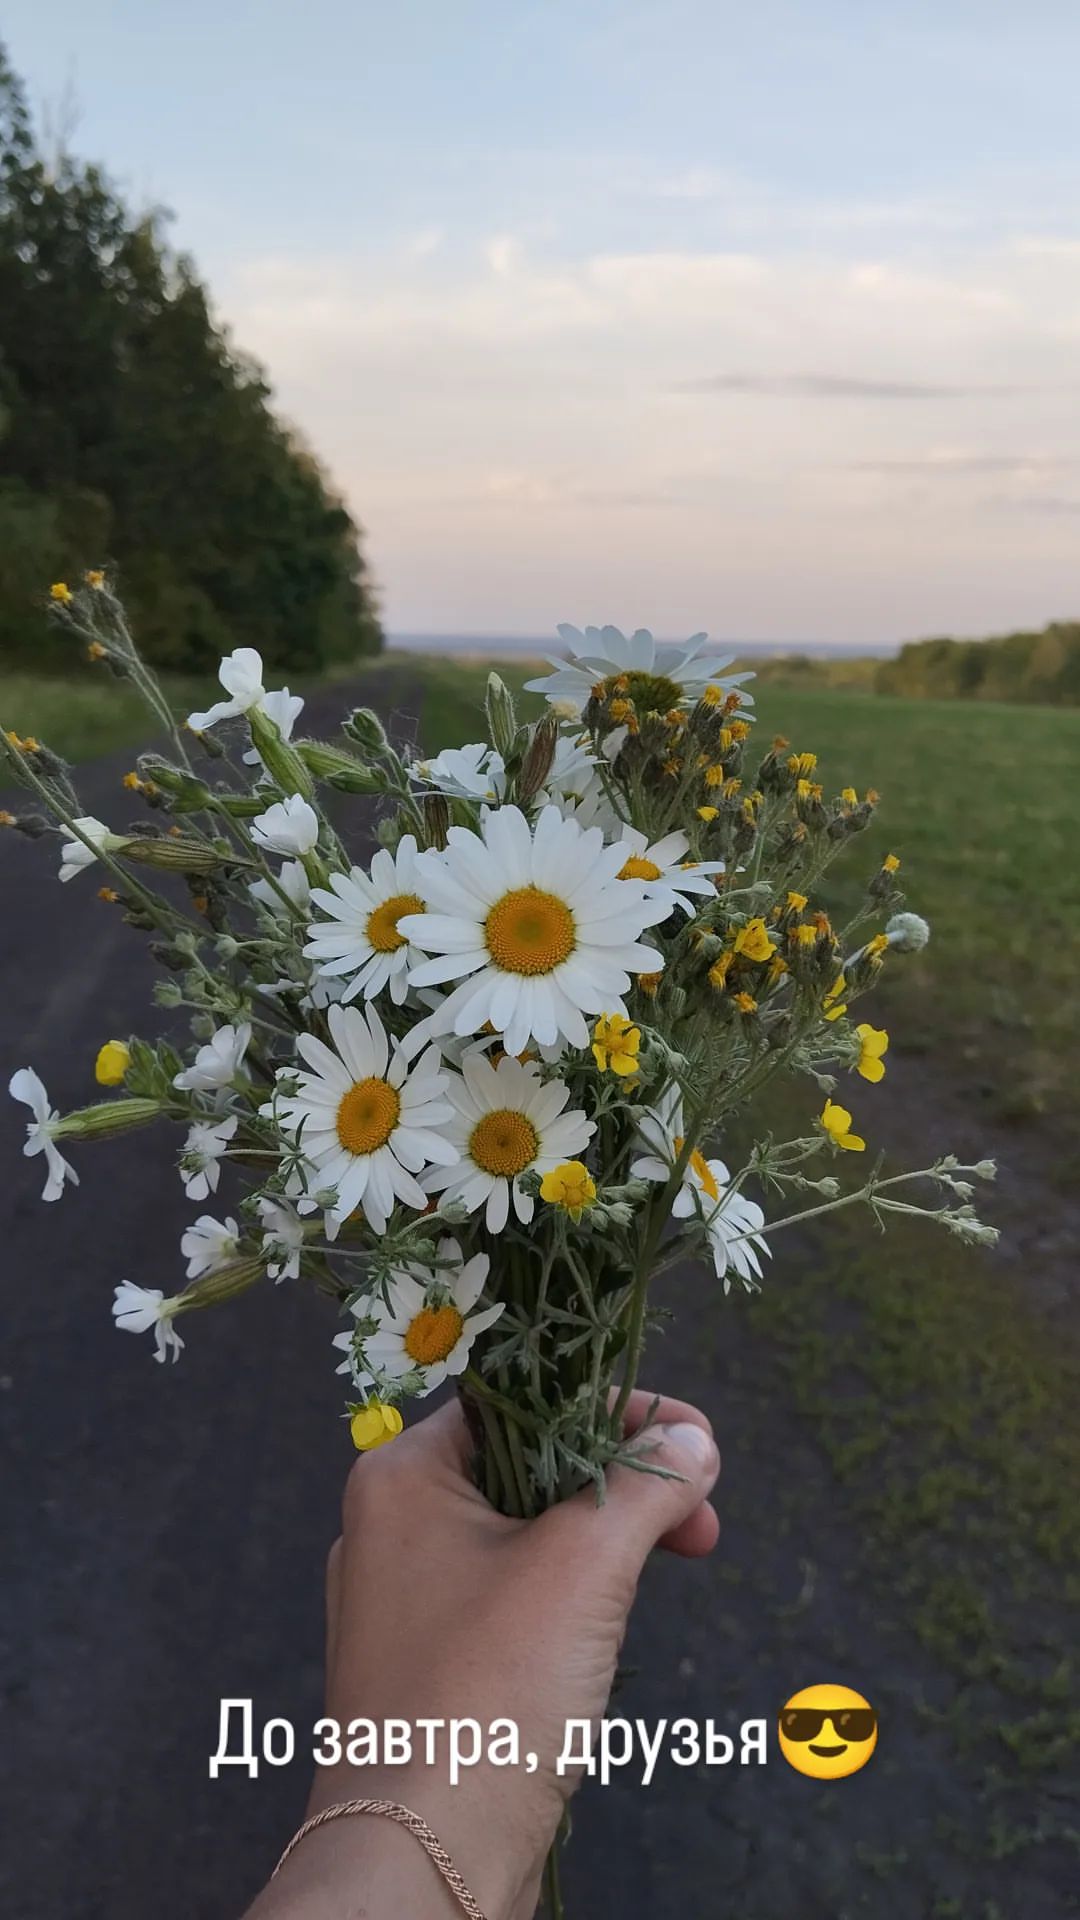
(165, 1534)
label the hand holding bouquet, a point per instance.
(485, 1084)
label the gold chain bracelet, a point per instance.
(430, 1842)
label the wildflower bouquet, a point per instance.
(475, 1083)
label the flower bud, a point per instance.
(341, 770)
(501, 718)
(173, 852)
(907, 932)
(539, 755)
(110, 1116)
(364, 726)
(189, 794)
(436, 820)
(278, 756)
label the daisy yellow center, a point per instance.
(504, 1143)
(432, 1334)
(529, 931)
(651, 692)
(700, 1167)
(367, 1116)
(637, 868)
(382, 926)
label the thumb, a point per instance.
(680, 1465)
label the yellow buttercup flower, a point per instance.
(375, 1424)
(615, 1044)
(570, 1186)
(837, 1124)
(60, 592)
(873, 1043)
(707, 813)
(890, 864)
(753, 942)
(113, 1061)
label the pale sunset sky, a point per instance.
(761, 319)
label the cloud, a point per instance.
(1022, 466)
(837, 386)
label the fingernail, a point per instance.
(693, 1441)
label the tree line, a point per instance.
(1035, 667)
(133, 433)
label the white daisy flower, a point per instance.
(475, 772)
(26, 1086)
(75, 855)
(216, 1064)
(663, 870)
(294, 884)
(572, 773)
(659, 677)
(290, 826)
(427, 1326)
(535, 923)
(241, 675)
(507, 1122)
(199, 1161)
(208, 1244)
(361, 938)
(732, 1223)
(283, 1238)
(284, 709)
(137, 1309)
(365, 1123)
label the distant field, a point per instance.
(981, 802)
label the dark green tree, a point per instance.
(131, 431)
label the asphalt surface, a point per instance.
(165, 1534)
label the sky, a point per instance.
(759, 319)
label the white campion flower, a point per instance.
(241, 675)
(137, 1309)
(26, 1086)
(290, 826)
(75, 855)
(535, 923)
(284, 709)
(283, 1238)
(294, 884)
(200, 1170)
(359, 938)
(208, 1244)
(732, 1223)
(427, 1324)
(659, 678)
(216, 1064)
(475, 772)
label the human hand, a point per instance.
(439, 1608)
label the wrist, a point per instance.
(497, 1849)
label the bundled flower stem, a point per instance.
(474, 1085)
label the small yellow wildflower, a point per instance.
(745, 1002)
(850, 797)
(777, 968)
(715, 776)
(649, 984)
(837, 1124)
(877, 946)
(375, 1424)
(740, 729)
(890, 864)
(60, 592)
(570, 1186)
(95, 579)
(132, 782)
(802, 763)
(720, 969)
(833, 1006)
(753, 941)
(713, 697)
(803, 935)
(808, 789)
(796, 902)
(622, 710)
(675, 717)
(726, 739)
(113, 1061)
(109, 894)
(95, 651)
(873, 1043)
(6, 819)
(615, 1044)
(707, 813)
